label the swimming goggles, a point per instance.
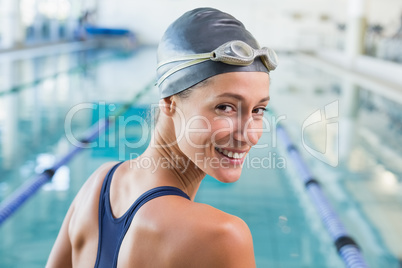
(234, 53)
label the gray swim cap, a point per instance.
(200, 30)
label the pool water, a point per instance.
(364, 186)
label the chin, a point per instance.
(228, 175)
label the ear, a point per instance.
(167, 106)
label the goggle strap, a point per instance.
(187, 57)
(179, 67)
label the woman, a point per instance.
(214, 87)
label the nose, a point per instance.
(247, 131)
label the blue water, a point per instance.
(364, 185)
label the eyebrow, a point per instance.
(239, 97)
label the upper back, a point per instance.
(112, 230)
(169, 231)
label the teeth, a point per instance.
(230, 153)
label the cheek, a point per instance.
(196, 133)
(221, 129)
(201, 132)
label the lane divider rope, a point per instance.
(28, 189)
(347, 248)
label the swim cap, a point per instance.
(197, 31)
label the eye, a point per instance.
(225, 108)
(260, 111)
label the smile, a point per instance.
(230, 154)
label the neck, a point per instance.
(171, 166)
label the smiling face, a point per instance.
(219, 122)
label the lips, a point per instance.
(231, 154)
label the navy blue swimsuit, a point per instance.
(112, 230)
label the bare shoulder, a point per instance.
(97, 177)
(78, 224)
(88, 197)
(217, 239)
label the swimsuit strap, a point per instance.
(113, 230)
(103, 213)
(142, 200)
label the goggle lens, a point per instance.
(240, 53)
(242, 50)
(269, 58)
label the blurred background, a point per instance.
(74, 74)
